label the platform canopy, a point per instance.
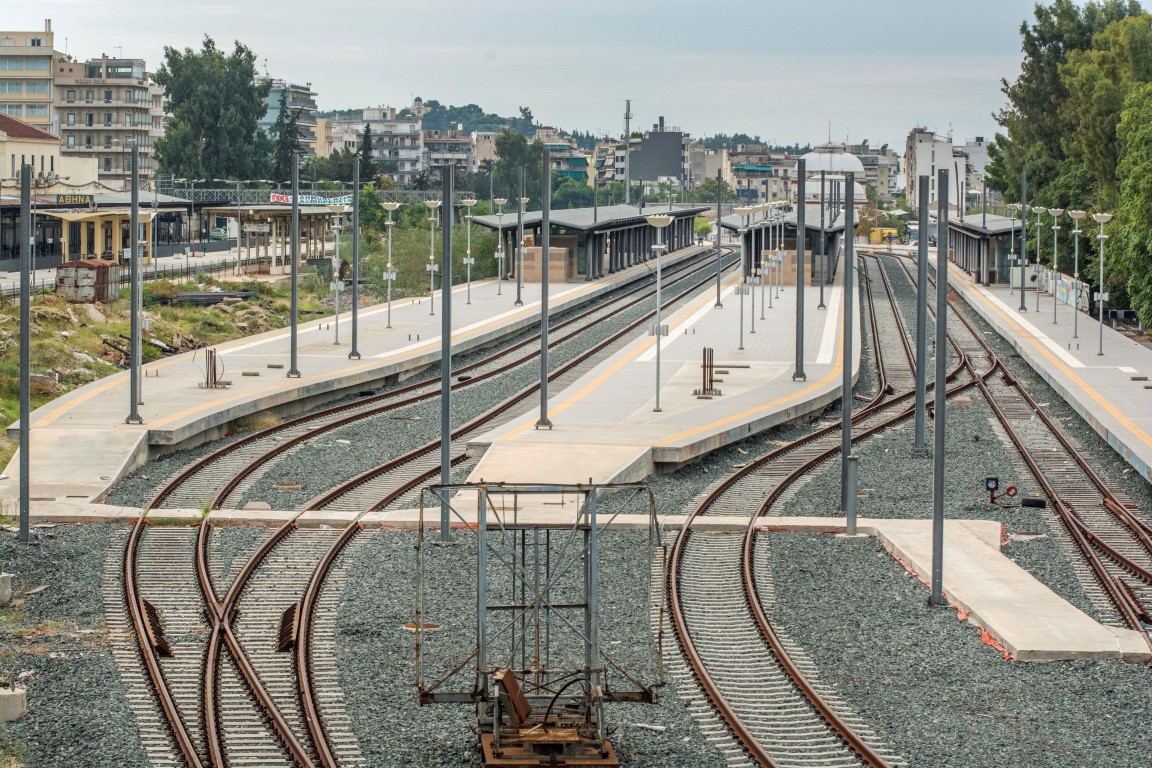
(590, 219)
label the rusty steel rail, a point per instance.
(391, 400)
(220, 613)
(168, 707)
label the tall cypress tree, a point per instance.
(368, 168)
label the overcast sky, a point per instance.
(783, 70)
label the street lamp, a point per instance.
(499, 201)
(659, 221)
(390, 271)
(743, 212)
(1055, 213)
(1039, 210)
(1103, 218)
(1012, 209)
(468, 260)
(431, 265)
(1076, 216)
(339, 210)
(521, 202)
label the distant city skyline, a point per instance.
(791, 73)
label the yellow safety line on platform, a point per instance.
(1027, 336)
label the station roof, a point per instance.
(591, 219)
(733, 222)
(978, 225)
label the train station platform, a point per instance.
(1112, 391)
(605, 428)
(80, 443)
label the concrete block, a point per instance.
(5, 588)
(13, 704)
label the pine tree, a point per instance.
(286, 134)
(368, 170)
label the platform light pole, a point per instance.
(339, 210)
(719, 229)
(521, 202)
(431, 265)
(1055, 213)
(1102, 219)
(823, 184)
(1023, 235)
(354, 352)
(1076, 216)
(1039, 210)
(1012, 208)
(658, 329)
(293, 371)
(390, 270)
(922, 313)
(468, 260)
(500, 243)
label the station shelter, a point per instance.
(265, 234)
(981, 245)
(593, 241)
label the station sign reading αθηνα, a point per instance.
(75, 200)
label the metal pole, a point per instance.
(354, 353)
(719, 202)
(984, 223)
(846, 373)
(25, 243)
(1076, 277)
(432, 261)
(801, 265)
(659, 249)
(336, 283)
(1039, 239)
(1023, 235)
(752, 249)
(468, 256)
(520, 241)
(134, 295)
(627, 151)
(446, 351)
(239, 226)
(390, 275)
(545, 242)
(822, 246)
(940, 389)
(853, 476)
(293, 371)
(922, 313)
(1100, 291)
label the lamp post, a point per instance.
(1023, 235)
(431, 265)
(1012, 208)
(520, 203)
(743, 288)
(1039, 210)
(1102, 218)
(1076, 216)
(468, 260)
(339, 210)
(1055, 213)
(500, 243)
(390, 270)
(658, 330)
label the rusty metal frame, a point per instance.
(527, 562)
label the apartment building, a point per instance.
(925, 153)
(760, 174)
(566, 158)
(397, 141)
(451, 146)
(880, 168)
(26, 76)
(705, 163)
(484, 147)
(105, 106)
(301, 100)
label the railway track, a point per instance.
(1106, 527)
(258, 688)
(222, 478)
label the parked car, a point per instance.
(218, 233)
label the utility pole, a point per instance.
(446, 352)
(354, 353)
(940, 391)
(293, 371)
(801, 266)
(25, 244)
(134, 294)
(545, 241)
(719, 202)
